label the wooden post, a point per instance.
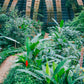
(13, 5)
(80, 2)
(28, 7)
(50, 10)
(5, 5)
(59, 10)
(81, 58)
(36, 8)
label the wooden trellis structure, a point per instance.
(48, 8)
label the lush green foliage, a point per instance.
(77, 23)
(57, 62)
(15, 77)
(54, 60)
(17, 27)
(32, 51)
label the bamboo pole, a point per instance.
(80, 2)
(59, 10)
(36, 8)
(5, 5)
(13, 5)
(28, 7)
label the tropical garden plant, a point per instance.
(56, 62)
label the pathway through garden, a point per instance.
(5, 67)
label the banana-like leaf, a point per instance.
(59, 56)
(55, 21)
(35, 39)
(33, 45)
(58, 68)
(69, 78)
(36, 52)
(79, 78)
(39, 62)
(54, 66)
(47, 69)
(10, 39)
(61, 23)
(30, 73)
(44, 75)
(61, 72)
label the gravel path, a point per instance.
(5, 67)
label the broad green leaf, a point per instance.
(69, 78)
(57, 35)
(48, 72)
(55, 21)
(39, 62)
(47, 69)
(44, 75)
(28, 46)
(35, 39)
(61, 72)
(61, 23)
(36, 52)
(79, 78)
(54, 66)
(10, 39)
(33, 45)
(58, 68)
(30, 73)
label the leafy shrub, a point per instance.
(32, 52)
(3, 18)
(18, 27)
(16, 77)
(60, 73)
(65, 41)
(77, 23)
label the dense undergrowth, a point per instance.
(77, 23)
(17, 27)
(20, 78)
(54, 60)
